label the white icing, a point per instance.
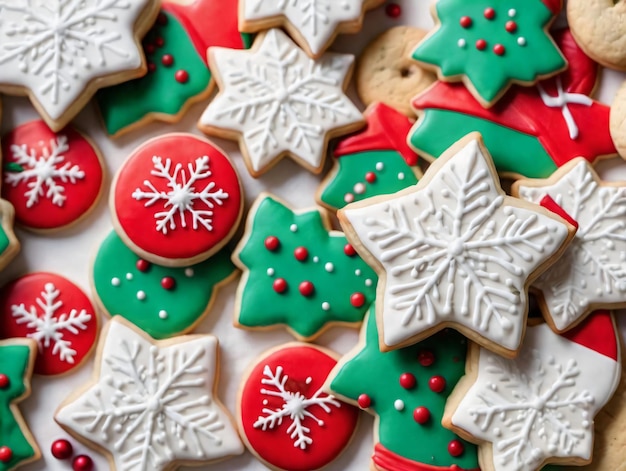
(380, 166)
(329, 267)
(153, 405)
(521, 41)
(141, 295)
(456, 250)
(398, 405)
(293, 228)
(461, 42)
(357, 272)
(271, 272)
(316, 259)
(512, 12)
(401, 176)
(562, 100)
(129, 276)
(368, 282)
(189, 272)
(326, 306)
(163, 314)
(115, 281)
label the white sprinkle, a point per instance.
(521, 41)
(141, 295)
(359, 188)
(348, 198)
(461, 42)
(329, 267)
(129, 276)
(265, 402)
(401, 176)
(308, 380)
(357, 272)
(368, 282)
(270, 272)
(163, 314)
(326, 306)
(115, 281)
(398, 404)
(316, 259)
(188, 272)
(380, 166)
(512, 12)
(293, 228)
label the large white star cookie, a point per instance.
(455, 251)
(277, 101)
(592, 273)
(60, 52)
(152, 405)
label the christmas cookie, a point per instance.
(284, 417)
(9, 245)
(490, 44)
(298, 273)
(313, 24)
(386, 72)
(56, 313)
(455, 251)
(178, 73)
(618, 120)
(60, 53)
(176, 200)
(162, 301)
(17, 445)
(152, 405)
(531, 131)
(591, 274)
(538, 408)
(406, 390)
(52, 179)
(279, 102)
(374, 162)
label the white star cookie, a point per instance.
(314, 24)
(455, 251)
(60, 52)
(152, 404)
(538, 408)
(277, 101)
(592, 273)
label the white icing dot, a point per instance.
(270, 272)
(461, 42)
(163, 314)
(348, 198)
(316, 259)
(359, 188)
(357, 272)
(308, 380)
(521, 41)
(188, 272)
(129, 276)
(141, 295)
(265, 402)
(368, 282)
(293, 228)
(115, 281)
(398, 404)
(401, 176)
(329, 267)
(326, 306)
(512, 12)
(380, 166)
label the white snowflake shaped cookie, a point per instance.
(540, 407)
(455, 251)
(61, 51)
(592, 273)
(152, 404)
(280, 102)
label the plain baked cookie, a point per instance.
(618, 120)
(386, 72)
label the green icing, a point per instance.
(14, 361)
(488, 72)
(158, 91)
(378, 374)
(335, 275)
(4, 241)
(395, 175)
(512, 151)
(184, 305)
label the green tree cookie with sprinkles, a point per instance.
(490, 44)
(298, 273)
(407, 390)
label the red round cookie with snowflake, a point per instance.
(52, 179)
(176, 200)
(284, 417)
(54, 312)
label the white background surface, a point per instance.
(70, 253)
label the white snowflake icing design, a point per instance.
(46, 170)
(182, 195)
(592, 272)
(539, 405)
(315, 20)
(48, 326)
(281, 100)
(295, 407)
(55, 48)
(456, 250)
(152, 406)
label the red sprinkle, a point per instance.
(150, 48)
(357, 299)
(280, 285)
(272, 243)
(407, 381)
(426, 358)
(393, 10)
(411, 160)
(511, 26)
(5, 454)
(349, 250)
(168, 283)
(151, 66)
(182, 76)
(82, 463)
(421, 415)
(306, 288)
(142, 265)
(301, 254)
(162, 19)
(364, 401)
(437, 384)
(370, 177)
(499, 49)
(160, 42)
(456, 448)
(490, 13)
(466, 21)
(167, 60)
(481, 44)
(61, 449)
(4, 381)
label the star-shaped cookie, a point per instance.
(277, 101)
(152, 405)
(455, 251)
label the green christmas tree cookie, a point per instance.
(298, 273)
(407, 390)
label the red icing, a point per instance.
(168, 283)
(437, 384)
(161, 19)
(137, 222)
(364, 401)
(26, 290)
(421, 415)
(306, 288)
(349, 250)
(551, 205)
(357, 299)
(510, 26)
(142, 265)
(280, 285)
(275, 446)
(490, 13)
(408, 381)
(4, 381)
(554, 5)
(426, 358)
(181, 76)
(272, 243)
(597, 332)
(465, 21)
(301, 254)
(386, 460)
(80, 195)
(5, 454)
(61, 449)
(82, 463)
(499, 50)
(481, 44)
(456, 448)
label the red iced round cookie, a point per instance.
(55, 313)
(52, 179)
(285, 419)
(176, 200)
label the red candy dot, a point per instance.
(272, 243)
(426, 358)
(510, 26)
(437, 384)
(159, 42)
(393, 10)
(82, 463)
(499, 49)
(168, 283)
(421, 415)
(280, 285)
(301, 254)
(5, 454)
(349, 250)
(407, 381)
(370, 177)
(357, 299)
(4, 381)
(364, 401)
(306, 288)
(150, 48)
(151, 66)
(490, 13)
(142, 265)
(181, 76)
(455, 448)
(162, 19)
(167, 60)
(61, 449)
(481, 44)
(466, 21)
(411, 160)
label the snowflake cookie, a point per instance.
(538, 408)
(277, 101)
(52, 179)
(60, 52)
(17, 444)
(314, 24)
(455, 251)
(56, 313)
(285, 418)
(298, 273)
(176, 200)
(490, 44)
(152, 404)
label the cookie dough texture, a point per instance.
(618, 120)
